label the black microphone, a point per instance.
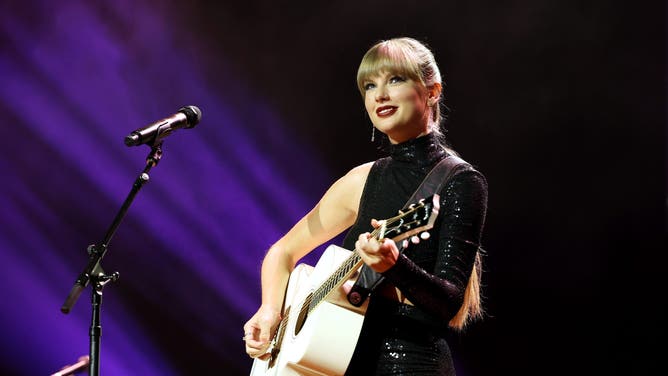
(152, 134)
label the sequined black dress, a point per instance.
(399, 339)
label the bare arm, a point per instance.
(336, 211)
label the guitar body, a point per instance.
(319, 342)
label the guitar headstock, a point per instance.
(416, 218)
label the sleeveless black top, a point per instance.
(432, 274)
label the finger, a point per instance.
(388, 246)
(251, 329)
(265, 331)
(377, 223)
(262, 355)
(255, 353)
(369, 246)
(255, 345)
(255, 348)
(363, 240)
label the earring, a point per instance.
(373, 133)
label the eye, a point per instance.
(396, 79)
(368, 86)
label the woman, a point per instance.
(434, 284)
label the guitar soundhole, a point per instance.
(303, 314)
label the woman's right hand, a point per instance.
(259, 330)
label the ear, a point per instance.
(434, 94)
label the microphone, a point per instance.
(152, 134)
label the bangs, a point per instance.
(389, 56)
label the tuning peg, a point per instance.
(425, 235)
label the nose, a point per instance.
(381, 93)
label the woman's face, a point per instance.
(397, 106)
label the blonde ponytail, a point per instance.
(471, 308)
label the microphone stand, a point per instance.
(94, 274)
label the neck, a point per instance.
(421, 151)
(397, 139)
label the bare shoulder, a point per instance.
(353, 181)
(347, 190)
(360, 173)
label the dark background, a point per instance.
(561, 104)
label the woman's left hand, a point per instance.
(379, 255)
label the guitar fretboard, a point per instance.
(394, 225)
(352, 263)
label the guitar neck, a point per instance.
(416, 218)
(336, 279)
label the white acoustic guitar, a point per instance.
(320, 328)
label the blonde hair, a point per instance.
(407, 57)
(471, 308)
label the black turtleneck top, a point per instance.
(434, 273)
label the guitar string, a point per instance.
(335, 278)
(347, 265)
